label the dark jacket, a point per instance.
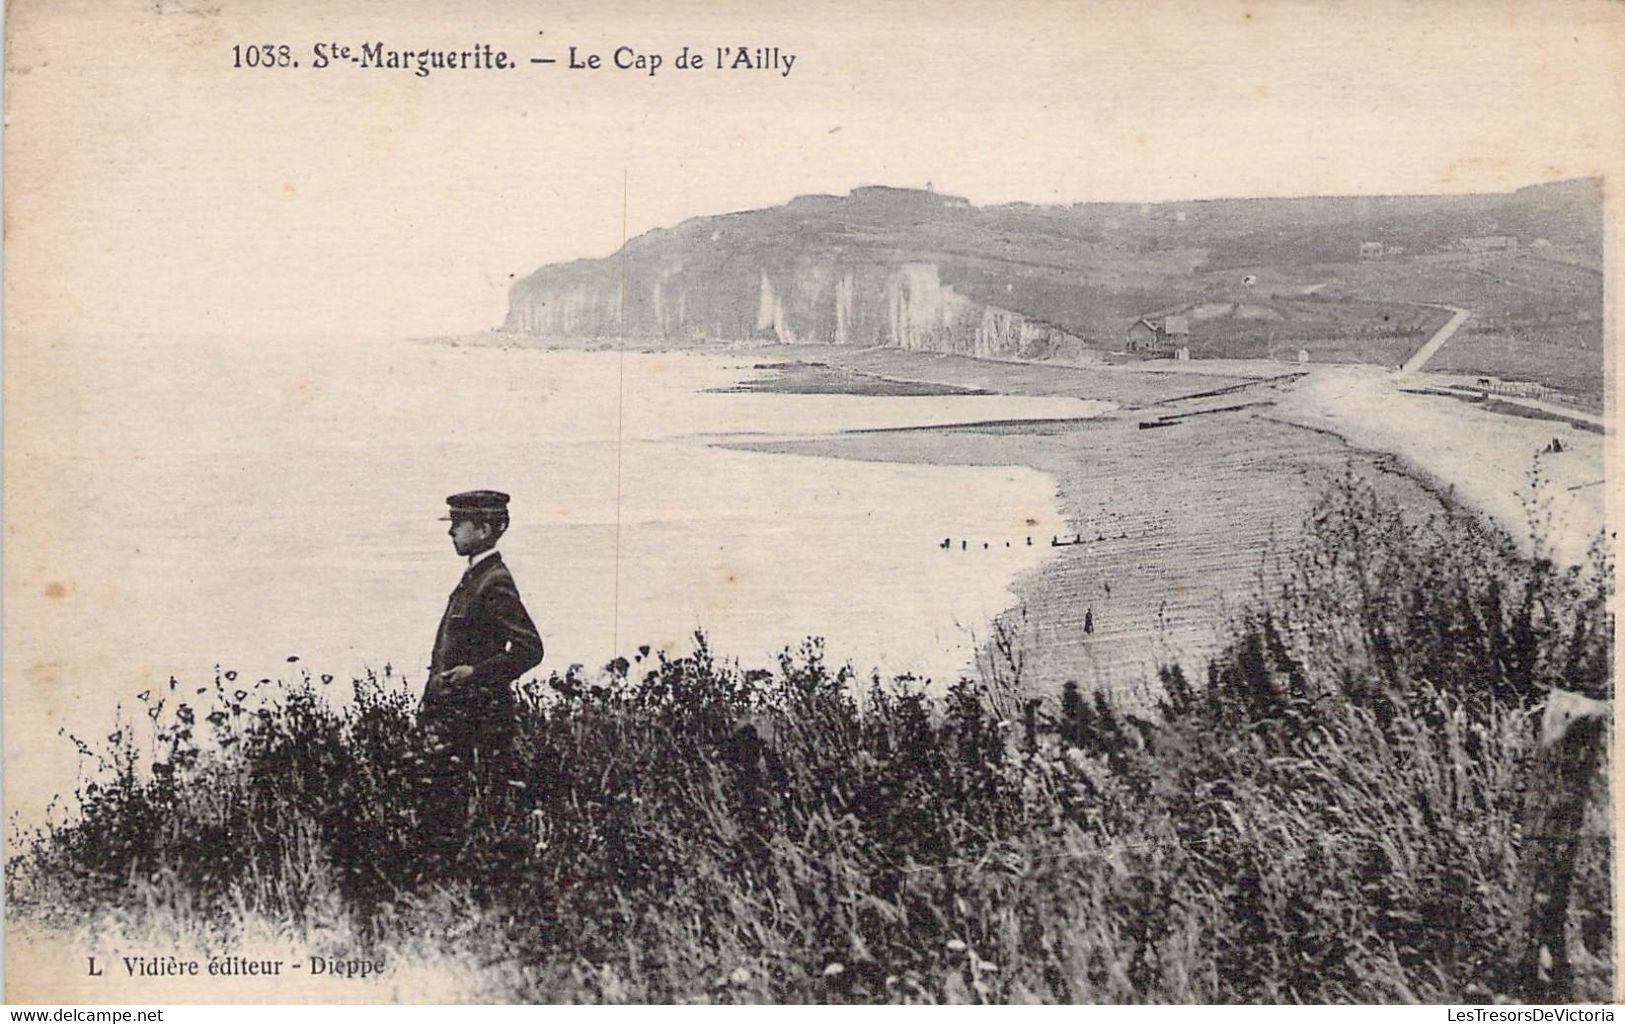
(487, 628)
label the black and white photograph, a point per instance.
(823, 503)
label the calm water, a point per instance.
(226, 502)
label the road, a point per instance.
(1442, 335)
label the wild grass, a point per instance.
(1332, 814)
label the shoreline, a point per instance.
(1182, 527)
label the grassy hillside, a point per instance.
(1332, 814)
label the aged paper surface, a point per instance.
(272, 293)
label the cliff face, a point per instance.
(820, 270)
(918, 270)
(835, 302)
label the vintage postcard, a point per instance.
(804, 503)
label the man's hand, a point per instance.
(441, 686)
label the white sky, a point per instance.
(150, 187)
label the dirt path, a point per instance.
(1433, 344)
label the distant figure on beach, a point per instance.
(486, 639)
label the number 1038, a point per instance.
(268, 56)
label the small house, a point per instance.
(1143, 335)
(1371, 250)
(1157, 336)
(1489, 243)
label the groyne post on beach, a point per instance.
(1573, 742)
(964, 545)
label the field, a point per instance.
(1537, 317)
(1501, 288)
(1236, 324)
(1376, 349)
(1567, 358)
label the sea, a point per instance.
(182, 507)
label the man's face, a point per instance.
(469, 537)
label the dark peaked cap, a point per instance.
(477, 505)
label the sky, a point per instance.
(153, 188)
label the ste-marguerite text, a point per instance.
(371, 55)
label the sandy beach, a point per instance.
(1506, 467)
(1175, 527)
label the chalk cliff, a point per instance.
(919, 270)
(821, 269)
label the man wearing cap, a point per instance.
(486, 638)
